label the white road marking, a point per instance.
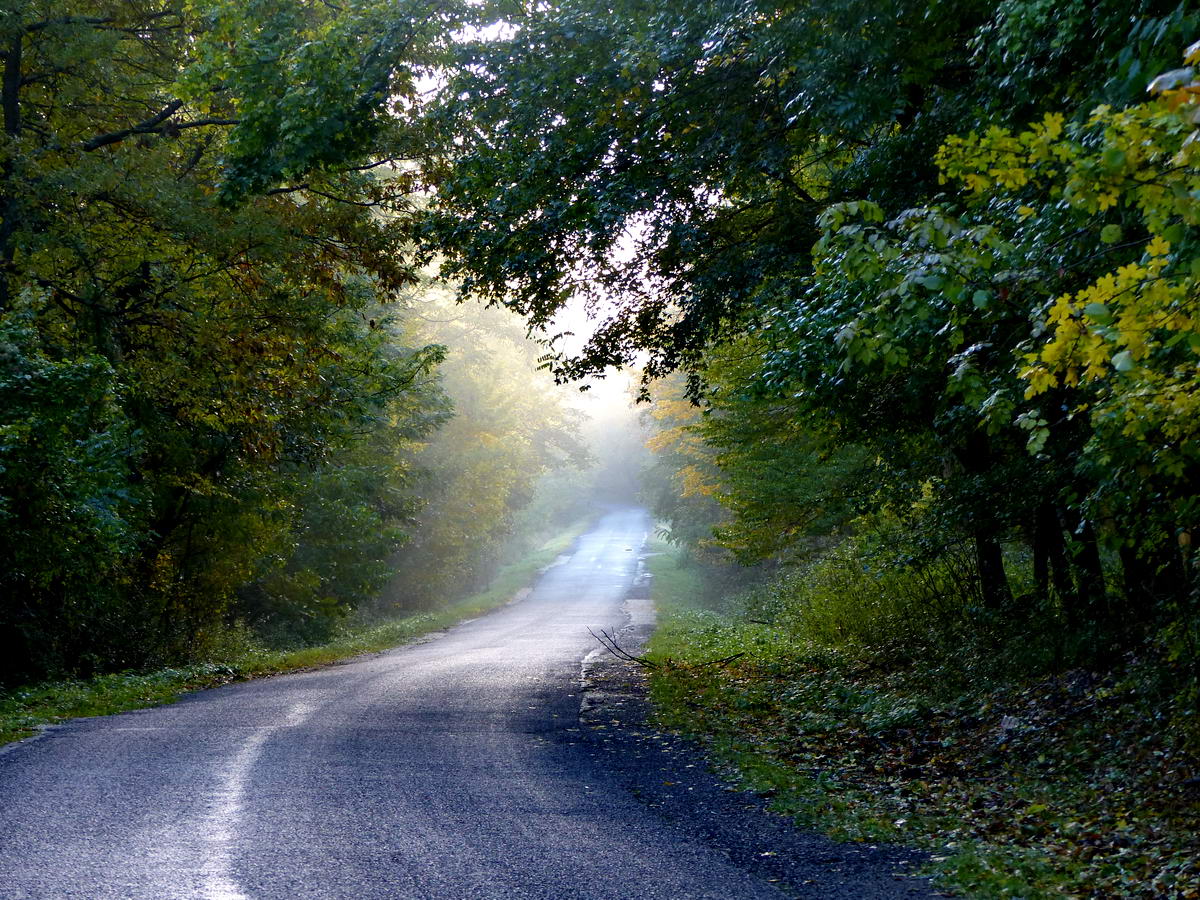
(219, 827)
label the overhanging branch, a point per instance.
(157, 124)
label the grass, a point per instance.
(1073, 784)
(24, 710)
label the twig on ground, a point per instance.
(609, 642)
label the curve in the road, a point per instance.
(454, 768)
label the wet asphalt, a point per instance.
(505, 758)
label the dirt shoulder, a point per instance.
(673, 776)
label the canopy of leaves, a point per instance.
(197, 229)
(774, 178)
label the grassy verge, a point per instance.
(24, 709)
(1077, 785)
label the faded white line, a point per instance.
(220, 825)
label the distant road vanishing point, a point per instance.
(445, 769)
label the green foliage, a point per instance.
(930, 356)
(1115, 337)
(1018, 783)
(201, 417)
(310, 85)
(1076, 53)
(678, 155)
(69, 513)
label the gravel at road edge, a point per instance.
(672, 777)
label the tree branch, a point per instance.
(609, 643)
(95, 21)
(68, 20)
(156, 124)
(149, 125)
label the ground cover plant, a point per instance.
(1021, 780)
(913, 288)
(240, 655)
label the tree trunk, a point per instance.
(1041, 560)
(1052, 573)
(993, 581)
(10, 104)
(976, 458)
(1152, 577)
(1093, 593)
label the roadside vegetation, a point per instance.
(1022, 778)
(229, 393)
(240, 655)
(913, 289)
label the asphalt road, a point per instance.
(456, 768)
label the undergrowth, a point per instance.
(864, 711)
(239, 657)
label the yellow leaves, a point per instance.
(1000, 158)
(677, 417)
(1139, 143)
(1011, 177)
(978, 183)
(1130, 336)
(1129, 275)
(1063, 344)
(1039, 379)
(1103, 290)
(673, 409)
(1122, 326)
(1095, 353)
(1063, 309)
(1125, 326)
(1052, 125)
(668, 439)
(1181, 322)
(1180, 96)
(680, 443)
(1159, 246)
(694, 483)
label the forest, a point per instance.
(230, 393)
(908, 290)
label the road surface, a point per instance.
(454, 768)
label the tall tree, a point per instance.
(192, 248)
(701, 171)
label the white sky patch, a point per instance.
(497, 31)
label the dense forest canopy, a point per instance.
(920, 260)
(928, 269)
(217, 393)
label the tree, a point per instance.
(193, 252)
(1116, 331)
(711, 171)
(673, 159)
